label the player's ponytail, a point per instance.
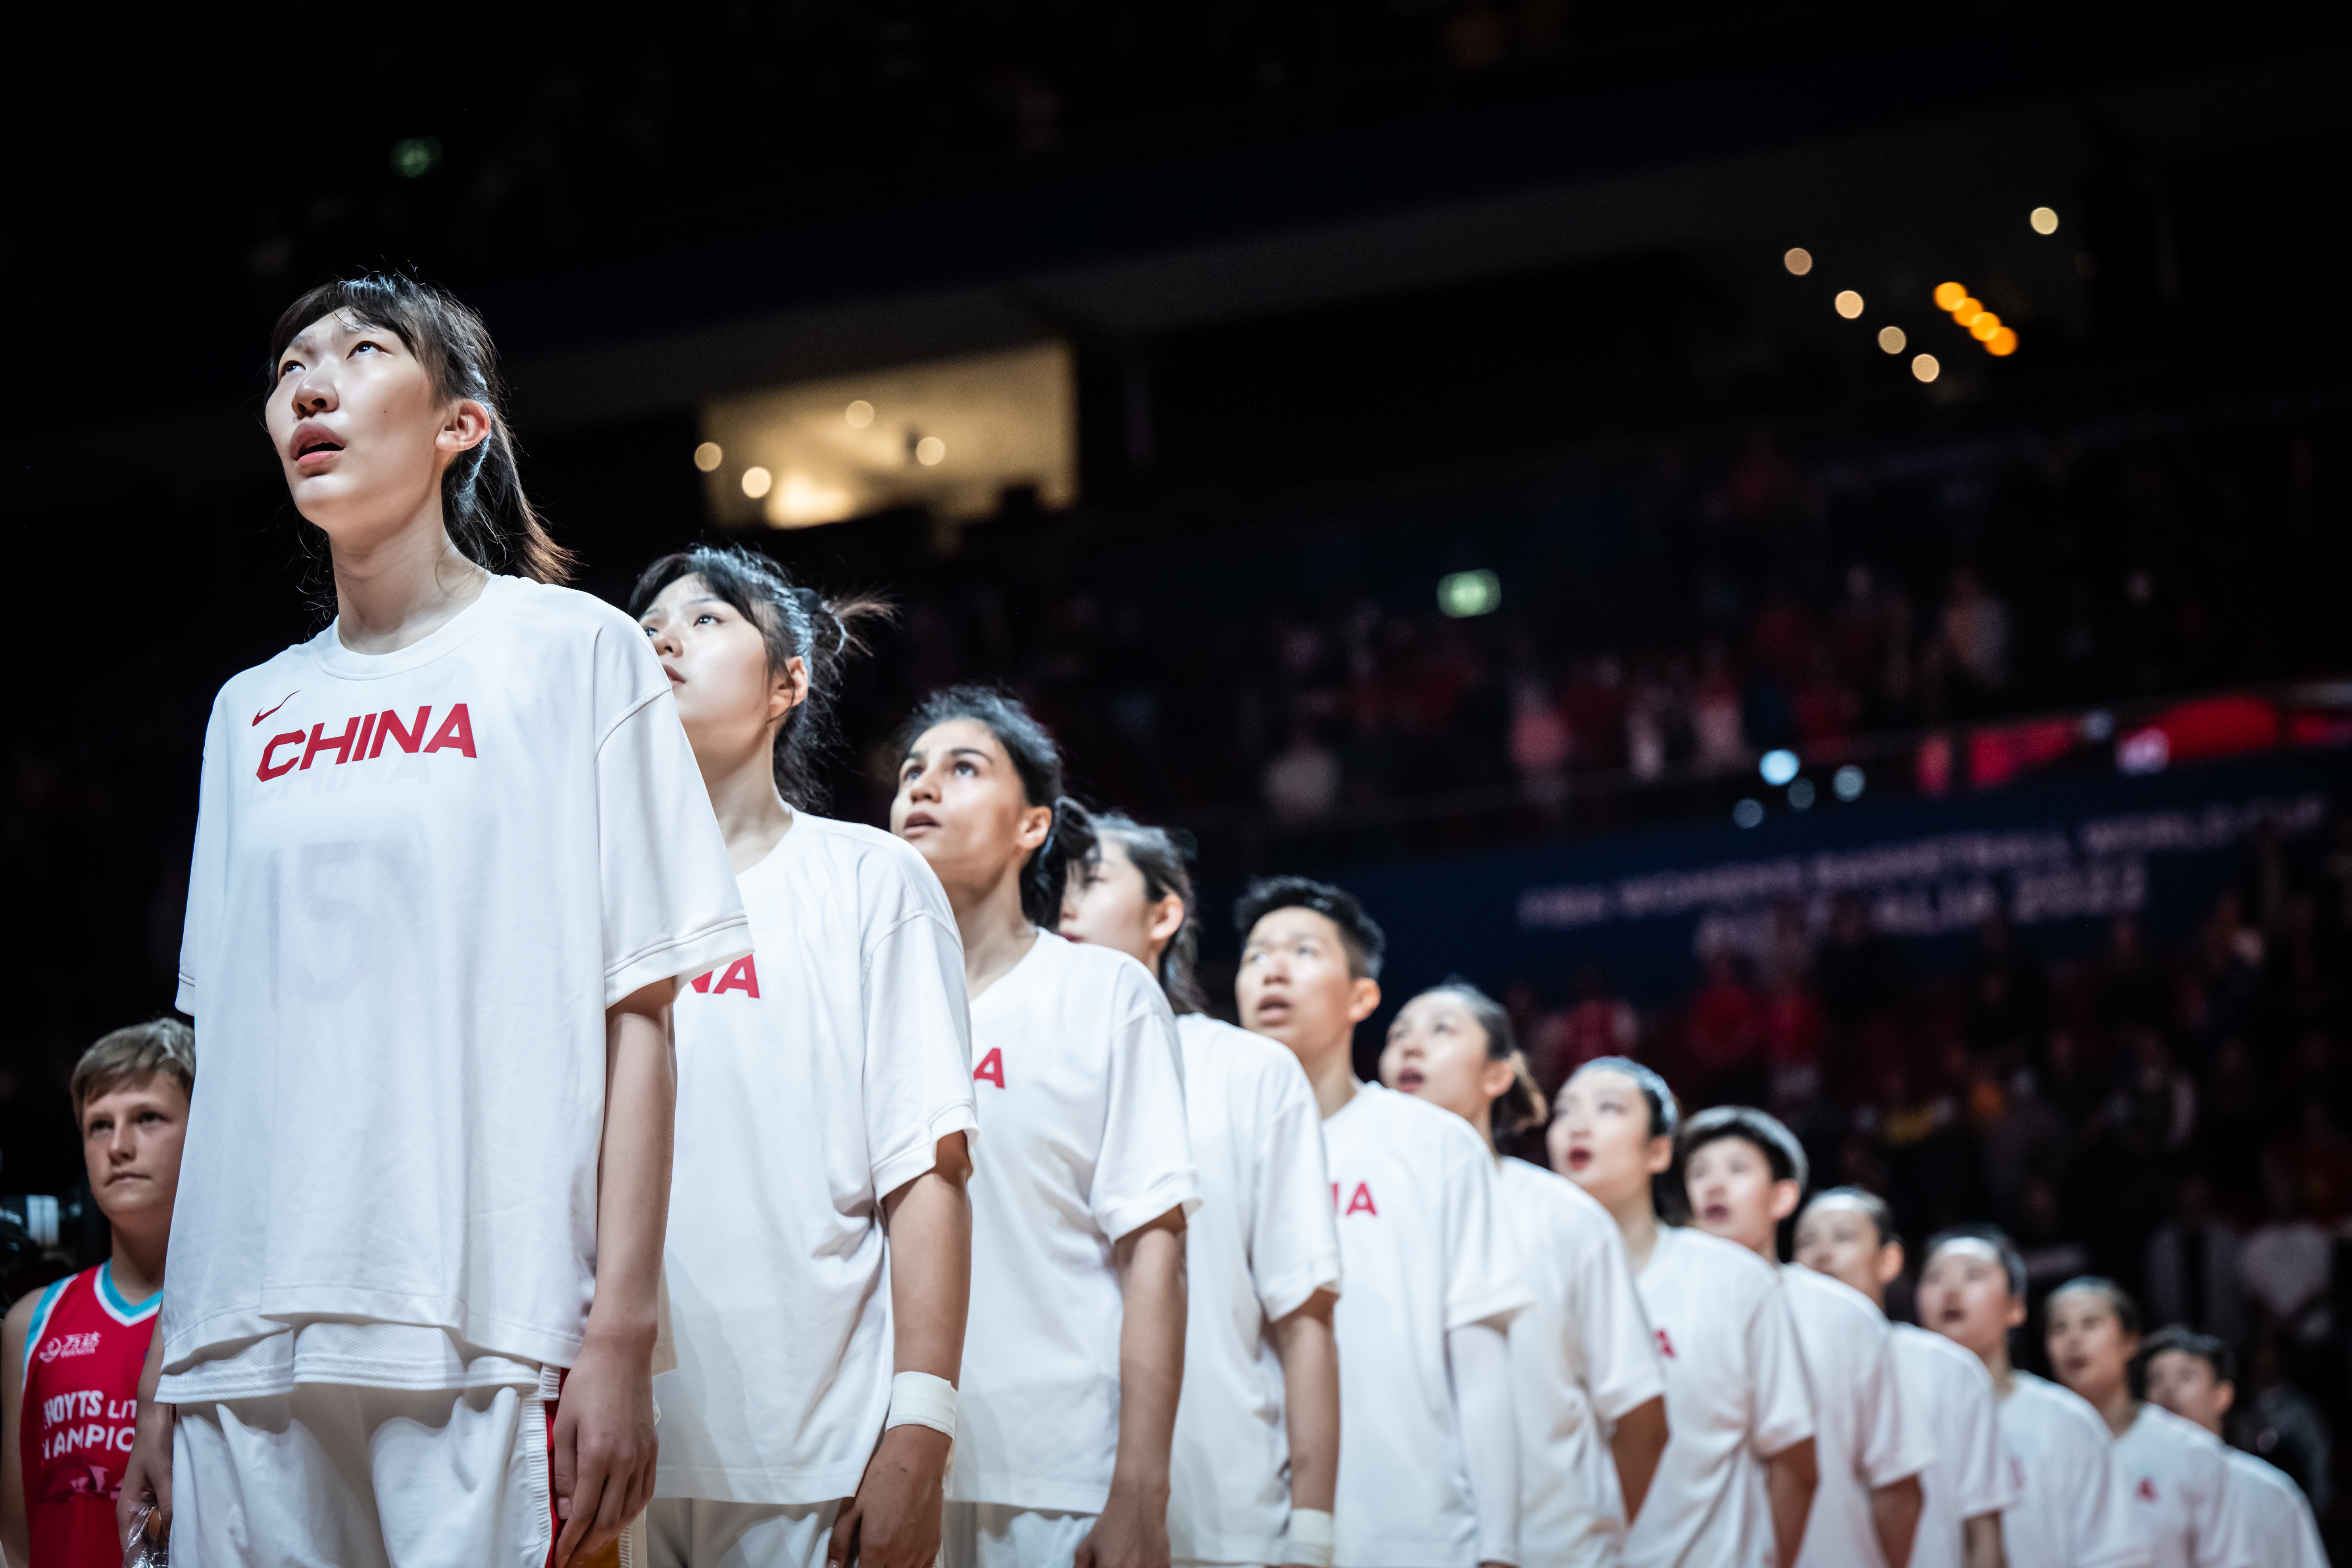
(795, 622)
(1522, 1105)
(1160, 858)
(1070, 845)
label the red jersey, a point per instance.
(82, 1360)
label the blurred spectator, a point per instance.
(1724, 1036)
(1715, 722)
(2281, 1424)
(1302, 783)
(2132, 993)
(2008, 993)
(1975, 633)
(1860, 970)
(2193, 1267)
(2284, 1266)
(2028, 1142)
(1597, 1025)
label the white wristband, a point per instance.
(1312, 1538)
(918, 1399)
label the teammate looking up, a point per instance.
(71, 1353)
(2175, 1480)
(1076, 1349)
(2070, 1513)
(1849, 1235)
(1257, 1451)
(450, 855)
(1586, 1379)
(820, 1240)
(1738, 1476)
(1745, 1173)
(2194, 1376)
(1429, 1464)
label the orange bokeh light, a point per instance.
(2003, 344)
(1948, 296)
(1983, 328)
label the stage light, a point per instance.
(708, 457)
(2003, 344)
(930, 451)
(2045, 220)
(1778, 766)
(1847, 782)
(1892, 340)
(1464, 594)
(414, 158)
(756, 482)
(1948, 296)
(1849, 303)
(1925, 367)
(1798, 261)
(860, 414)
(1802, 796)
(1966, 312)
(1748, 812)
(1983, 328)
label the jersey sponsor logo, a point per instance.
(58, 1347)
(1359, 1202)
(86, 1421)
(2145, 1491)
(362, 739)
(991, 1069)
(741, 975)
(283, 701)
(1666, 1345)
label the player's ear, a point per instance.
(1786, 1196)
(1660, 1155)
(1890, 1263)
(1363, 998)
(2015, 1317)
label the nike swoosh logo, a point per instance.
(283, 701)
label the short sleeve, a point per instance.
(1294, 1239)
(918, 1046)
(1484, 1283)
(1983, 1479)
(1891, 1448)
(1784, 1396)
(2221, 1543)
(1145, 1164)
(1621, 1366)
(670, 902)
(207, 870)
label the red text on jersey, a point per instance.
(1359, 1202)
(1666, 1345)
(741, 975)
(361, 739)
(992, 1067)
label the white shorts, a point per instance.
(997, 1535)
(364, 1477)
(697, 1533)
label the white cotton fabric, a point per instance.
(1582, 1356)
(402, 936)
(815, 1077)
(1736, 1394)
(2272, 1516)
(994, 1535)
(1860, 1441)
(2072, 1512)
(1948, 1390)
(699, 1532)
(1081, 1104)
(1424, 1251)
(1262, 1241)
(2177, 1484)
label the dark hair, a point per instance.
(2013, 1262)
(135, 1055)
(2211, 1349)
(795, 623)
(1360, 935)
(1771, 1136)
(1070, 840)
(487, 517)
(2120, 1301)
(1665, 1111)
(1161, 858)
(1522, 1105)
(1879, 1212)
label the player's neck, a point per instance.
(1331, 1072)
(399, 588)
(996, 934)
(753, 817)
(1996, 1359)
(2118, 1409)
(136, 1264)
(1637, 1222)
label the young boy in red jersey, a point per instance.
(73, 1350)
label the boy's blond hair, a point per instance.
(131, 1055)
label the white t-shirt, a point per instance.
(1424, 1250)
(1582, 1356)
(1081, 1115)
(420, 877)
(1860, 1440)
(1736, 1394)
(2177, 1482)
(1949, 1390)
(815, 1077)
(2272, 1517)
(1262, 1242)
(2072, 1512)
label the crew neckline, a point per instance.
(327, 648)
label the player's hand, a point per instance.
(1131, 1532)
(147, 1474)
(601, 1469)
(894, 1519)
